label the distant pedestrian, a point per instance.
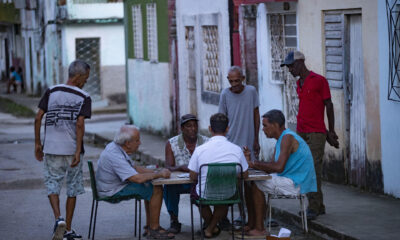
(66, 106)
(240, 103)
(15, 80)
(314, 95)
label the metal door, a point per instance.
(88, 50)
(356, 99)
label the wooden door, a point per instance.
(357, 149)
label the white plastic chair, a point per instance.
(303, 211)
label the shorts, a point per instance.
(278, 185)
(55, 168)
(144, 190)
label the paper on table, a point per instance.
(183, 175)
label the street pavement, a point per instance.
(24, 209)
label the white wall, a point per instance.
(389, 112)
(271, 96)
(186, 9)
(95, 10)
(149, 99)
(112, 42)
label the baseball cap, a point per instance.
(188, 117)
(291, 57)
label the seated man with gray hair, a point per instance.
(117, 175)
(292, 170)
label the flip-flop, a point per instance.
(214, 234)
(247, 236)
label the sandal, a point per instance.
(214, 234)
(159, 233)
(146, 231)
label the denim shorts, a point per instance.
(144, 190)
(55, 169)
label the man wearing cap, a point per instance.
(178, 151)
(314, 95)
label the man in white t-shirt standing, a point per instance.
(66, 106)
(217, 150)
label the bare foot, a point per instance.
(255, 232)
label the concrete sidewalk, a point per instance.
(351, 213)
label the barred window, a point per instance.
(152, 43)
(211, 66)
(137, 31)
(283, 40)
(393, 13)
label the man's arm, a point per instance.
(80, 131)
(194, 176)
(38, 144)
(144, 177)
(287, 148)
(332, 138)
(256, 144)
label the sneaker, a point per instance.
(175, 227)
(225, 225)
(71, 235)
(59, 229)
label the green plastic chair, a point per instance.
(113, 200)
(221, 188)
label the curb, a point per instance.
(314, 227)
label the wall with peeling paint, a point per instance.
(389, 111)
(193, 11)
(312, 43)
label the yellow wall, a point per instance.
(311, 43)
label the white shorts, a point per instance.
(278, 185)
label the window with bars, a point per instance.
(283, 34)
(211, 66)
(393, 13)
(152, 43)
(137, 31)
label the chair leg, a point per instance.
(269, 213)
(140, 219)
(201, 224)
(305, 214)
(302, 212)
(233, 232)
(135, 216)
(191, 218)
(91, 218)
(243, 218)
(95, 217)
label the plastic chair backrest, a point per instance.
(221, 183)
(92, 180)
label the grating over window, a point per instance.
(334, 48)
(189, 37)
(283, 32)
(283, 40)
(152, 43)
(137, 31)
(88, 50)
(211, 71)
(393, 13)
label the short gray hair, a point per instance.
(275, 116)
(236, 69)
(124, 134)
(78, 67)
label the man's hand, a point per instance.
(39, 152)
(164, 173)
(77, 159)
(247, 155)
(256, 149)
(332, 139)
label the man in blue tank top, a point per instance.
(292, 170)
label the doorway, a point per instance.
(355, 94)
